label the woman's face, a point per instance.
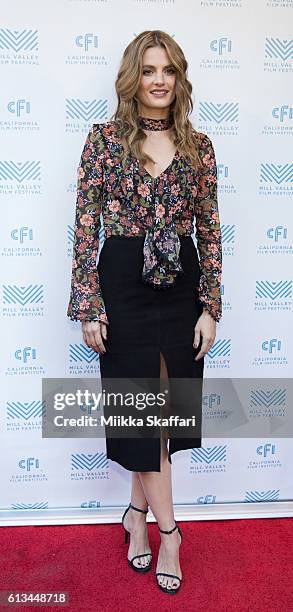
(157, 84)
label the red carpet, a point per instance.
(241, 565)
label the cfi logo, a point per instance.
(282, 113)
(221, 45)
(220, 56)
(85, 50)
(29, 470)
(226, 302)
(90, 407)
(271, 352)
(94, 503)
(222, 171)
(206, 499)
(265, 457)
(271, 346)
(276, 233)
(86, 41)
(19, 107)
(266, 449)
(29, 464)
(22, 233)
(211, 400)
(276, 241)
(25, 354)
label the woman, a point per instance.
(149, 309)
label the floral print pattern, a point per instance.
(155, 125)
(133, 203)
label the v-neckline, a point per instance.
(155, 178)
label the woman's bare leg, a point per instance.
(158, 490)
(135, 522)
(138, 497)
(157, 487)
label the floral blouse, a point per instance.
(133, 203)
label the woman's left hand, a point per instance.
(205, 326)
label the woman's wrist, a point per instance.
(207, 312)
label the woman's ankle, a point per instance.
(168, 526)
(168, 540)
(140, 505)
(135, 519)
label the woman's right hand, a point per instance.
(93, 334)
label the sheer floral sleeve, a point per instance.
(208, 232)
(86, 301)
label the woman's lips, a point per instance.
(159, 93)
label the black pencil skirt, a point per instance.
(145, 323)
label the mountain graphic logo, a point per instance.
(23, 294)
(219, 113)
(276, 48)
(209, 454)
(86, 110)
(18, 40)
(89, 462)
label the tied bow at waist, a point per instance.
(162, 265)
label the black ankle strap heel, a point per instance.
(130, 561)
(165, 589)
(171, 530)
(138, 509)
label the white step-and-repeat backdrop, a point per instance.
(59, 61)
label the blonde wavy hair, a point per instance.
(182, 133)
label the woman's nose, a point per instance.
(159, 79)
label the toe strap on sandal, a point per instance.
(137, 556)
(169, 575)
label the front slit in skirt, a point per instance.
(144, 322)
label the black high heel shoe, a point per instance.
(165, 589)
(130, 561)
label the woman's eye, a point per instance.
(148, 71)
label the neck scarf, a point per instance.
(155, 125)
(161, 248)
